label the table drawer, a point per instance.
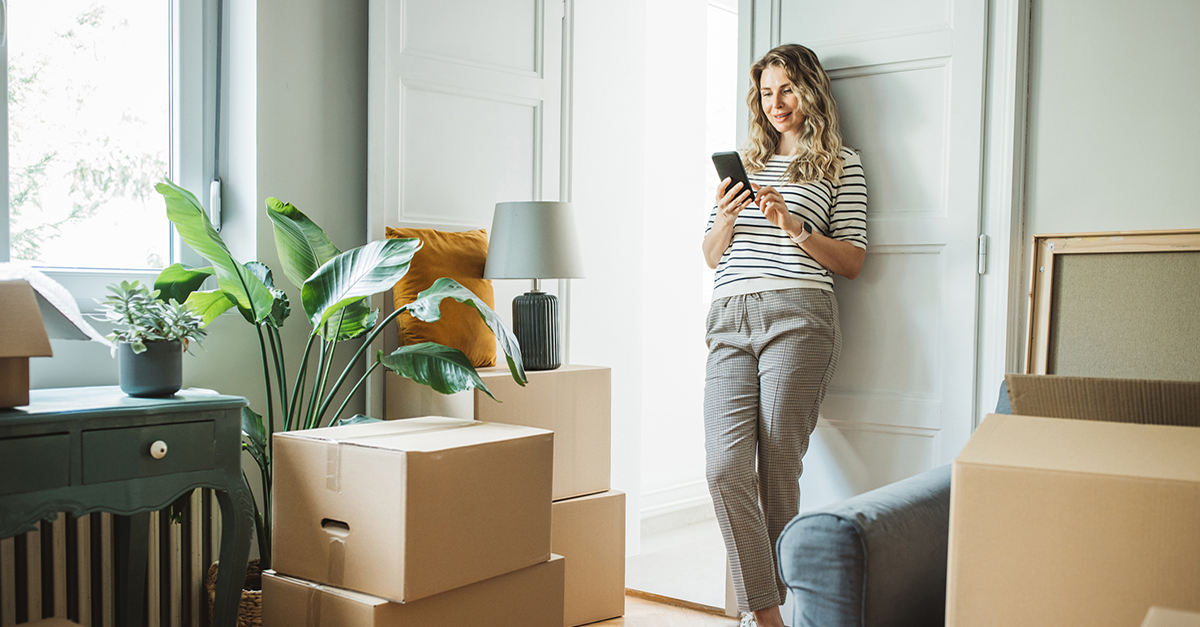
(116, 454)
(34, 463)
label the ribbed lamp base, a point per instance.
(535, 322)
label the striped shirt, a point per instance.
(762, 257)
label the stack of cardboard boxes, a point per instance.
(427, 521)
(574, 402)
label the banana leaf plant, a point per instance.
(335, 288)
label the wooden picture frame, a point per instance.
(1050, 252)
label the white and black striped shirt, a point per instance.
(762, 257)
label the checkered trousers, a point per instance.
(771, 355)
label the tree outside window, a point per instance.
(88, 132)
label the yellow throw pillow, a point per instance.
(459, 256)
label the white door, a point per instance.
(909, 81)
(464, 109)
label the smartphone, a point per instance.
(729, 165)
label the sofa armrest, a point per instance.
(875, 560)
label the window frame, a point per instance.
(193, 111)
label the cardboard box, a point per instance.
(530, 597)
(410, 508)
(575, 402)
(1162, 617)
(22, 336)
(590, 532)
(1110, 400)
(1058, 523)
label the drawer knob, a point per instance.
(158, 450)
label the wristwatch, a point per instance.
(805, 231)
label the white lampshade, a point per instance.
(533, 240)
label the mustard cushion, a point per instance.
(459, 256)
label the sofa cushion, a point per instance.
(874, 560)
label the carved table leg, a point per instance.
(237, 522)
(132, 534)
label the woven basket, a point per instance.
(250, 607)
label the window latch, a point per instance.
(214, 203)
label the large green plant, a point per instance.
(334, 290)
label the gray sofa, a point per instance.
(875, 560)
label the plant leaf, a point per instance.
(358, 319)
(253, 427)
(302, 245)
(281, 307)
(446, 370)
(255, 433)
(262, 271)
(209, 304)
(427, 308)
(348, 277)
(178, 281)
(357, 419)
(259, 455)
(250, 295)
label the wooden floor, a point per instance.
(641, 612)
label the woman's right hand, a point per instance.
(730, 202)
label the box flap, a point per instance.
(21, 331)
(426, 434)
(1163, 617)
(348, 433)
(1112, 400)
(1156, 452)
(60, 312)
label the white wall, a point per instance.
(1113, 124)
(607, 192)
(675, 287)
(639, 168)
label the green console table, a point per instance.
(81, 450)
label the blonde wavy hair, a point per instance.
(819, 152)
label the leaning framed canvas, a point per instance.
(1119, 304)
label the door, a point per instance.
(464, 109)
(909, 81)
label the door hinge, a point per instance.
(983, 246)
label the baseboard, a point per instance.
(672, 601)
(675, 506)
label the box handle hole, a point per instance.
(335, 527)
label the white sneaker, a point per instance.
(748, 620)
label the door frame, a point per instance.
(1000, 334)
(1000, 302)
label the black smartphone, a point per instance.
(729, 165)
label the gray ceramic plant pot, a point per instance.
(156, 372)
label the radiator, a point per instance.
(65, 568)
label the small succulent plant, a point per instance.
(140, 317)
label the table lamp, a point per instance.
(535, 240)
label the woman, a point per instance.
(773, 335)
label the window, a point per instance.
(102, 104)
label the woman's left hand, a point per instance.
(774, 209)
